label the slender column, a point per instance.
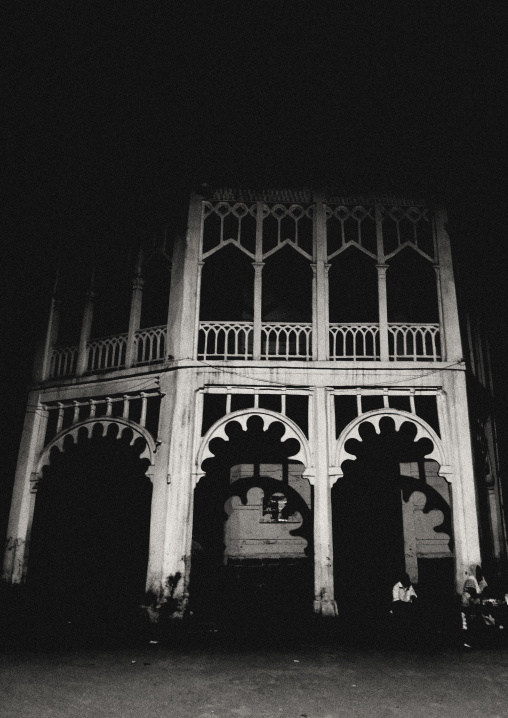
(51, 334)
(383, 311)
(258, 292)
(183, 312)
(381, 287)
(86, 329)
(324, 602)
(451, 329)
(320, 284)
(20, 519)
(442, 338)
(135, 314)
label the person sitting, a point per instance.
(403, 595)
(471, 610)
(403, 592)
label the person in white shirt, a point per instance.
(403, 597)
(403, 590)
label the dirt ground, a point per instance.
(217, 679)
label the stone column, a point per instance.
(86, 329)
(381, 267)
(172, 499)
(320, 284)
(135, 313)
(183, 311)
(383, 311)
(464, 505)
(51, 335)
(324, 601)
(448, 299)
(258, 298)
(22, 504)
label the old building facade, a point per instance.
(301, 418)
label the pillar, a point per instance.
(22, 504)
(464, 504)
(324, 601)
(183, 311)
(172, 498)
(135, 313)
(320, 269)
(258, 298)
(51, 335)
(448, 298)
(381, 266)
(86, 329)
(383, 312)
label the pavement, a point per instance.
(207, 672)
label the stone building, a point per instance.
(298, 423)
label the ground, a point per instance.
(210, 677)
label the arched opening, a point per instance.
(89, 543)
(252, 531)
(391, 513)
(287, 287)
(412, 288)
(227, 286)
(353, 291)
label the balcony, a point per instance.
(109, 353)
(221, 341)
(279, 341)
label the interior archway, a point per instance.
(252, 530)
(391, 513)
(89, 543)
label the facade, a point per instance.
(300, 419)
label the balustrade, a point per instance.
(63, 361)
(106, 353)
(225, 340)
(150, 345)
(354, 342)
(414, 342)
(234, 340)
(289, 340)
(109, 352)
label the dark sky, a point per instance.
(113, 111)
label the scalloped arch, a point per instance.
(374, 417)
(218, 430)
(138, 431)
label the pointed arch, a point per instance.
(218, 430)
(399, 417)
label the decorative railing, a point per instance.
(235, 340)
(150, 345)
(110, 352)
(290, 340)
(107, 352)
(225, 340)
(414, 342)
(354, 342)
(63, 361)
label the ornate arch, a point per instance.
(104, 421)
(399, 417)
(218, 430)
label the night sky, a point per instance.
(113, 111)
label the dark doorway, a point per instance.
(367, 517)
(245, 588)
(89, 547)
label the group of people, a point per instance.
(480, 612)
